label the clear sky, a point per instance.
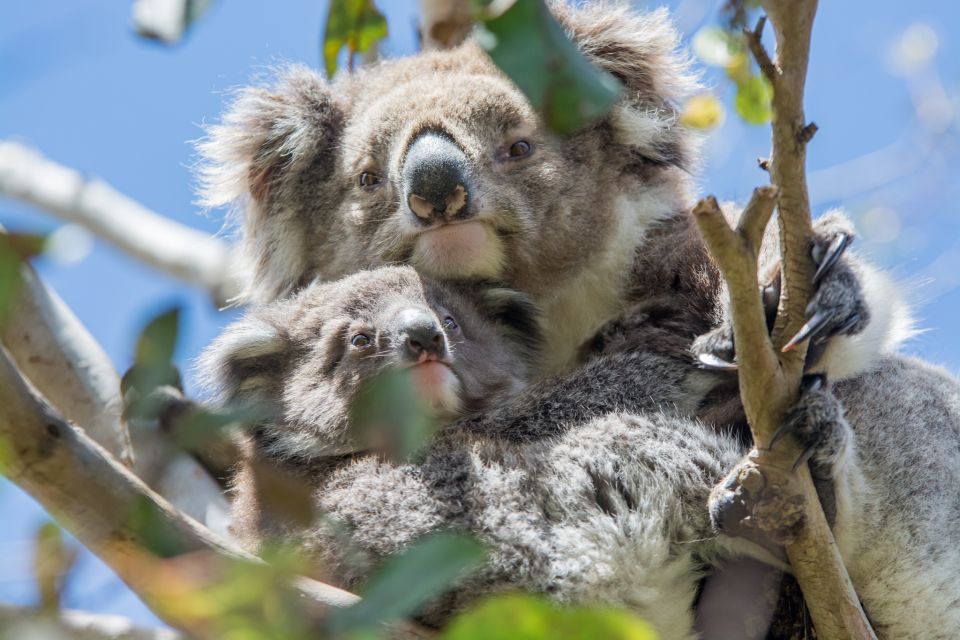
(79, 85)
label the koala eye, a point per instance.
(520, 149)
(369, 179)
(361, 341)
(450, 324)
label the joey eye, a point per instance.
(450, 324)
(369, 179)
(520, 149)
(361, 341)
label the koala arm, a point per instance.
(856, 316)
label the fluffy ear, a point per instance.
(265, 136)
(246, 362)
(639, 49)
(516, 313)
(642, 51)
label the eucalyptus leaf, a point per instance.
(15, 249)
(527, 617)
(153, 365)
(753, 101)
(356, 25)
(389, 416)
(406, 582)
(702, 111)
(530, 46)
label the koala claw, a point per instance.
(828, 257)
(817, 422)
(712, 362)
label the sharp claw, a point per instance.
(710, 361)
(811, 327)
(804, 457)
(833, 253)
(778, 434)
(813, 381)
(849, 324)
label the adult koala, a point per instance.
(438, 160)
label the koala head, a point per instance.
(438, 160)
(309, 356)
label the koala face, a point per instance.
(312, 354)
(439, 161)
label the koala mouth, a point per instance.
(462, 249)
(437, 385)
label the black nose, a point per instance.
(419, 334)
(435, 180)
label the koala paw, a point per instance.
(817, 422)
(838, 306)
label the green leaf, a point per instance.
(15, 249)
(527, 617)
(753, 101)
(153, 363)
(389, 416)
(528, 44)
(354, 24)
(407, 581)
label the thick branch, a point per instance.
(111, 511)
(185, 253)
(63, 361)
(769, 500)
(20, 622)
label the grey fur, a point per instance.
(592, 487)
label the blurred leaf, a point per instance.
(390, 417)
(159, 534)
(738, 67)
(288, 498)
(409, 580)
(52, 561)
(527, 617)
(702, 111)
(712, 45)
(528, 44)
(15, 249)
(204, 426)
(167, 20)
(753, 100)
(354, 24)
(153, 365)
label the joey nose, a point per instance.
(435, 180)
(419, 336)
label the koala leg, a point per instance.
(854, 316)
(737, 505)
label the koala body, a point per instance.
(591, 486)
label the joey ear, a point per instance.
(244, 362)
(266, 135)
(516, 312)
(639, 49)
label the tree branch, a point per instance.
(21, 622)
(185, 253)
(115, 515)
(774, 502)
(754, 40)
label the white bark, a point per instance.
(185, 253)
(29, 624)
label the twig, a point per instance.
(777, 503)
(185, 253)
(754, 40)
(21, 622)
(94, 497)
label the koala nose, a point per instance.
(419, 335)
(435, 180)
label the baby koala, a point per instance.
(589, 487)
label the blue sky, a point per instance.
(79, 85)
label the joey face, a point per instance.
(438, 160)
(315, 352)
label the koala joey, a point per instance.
(582, 490)
(439, 161)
